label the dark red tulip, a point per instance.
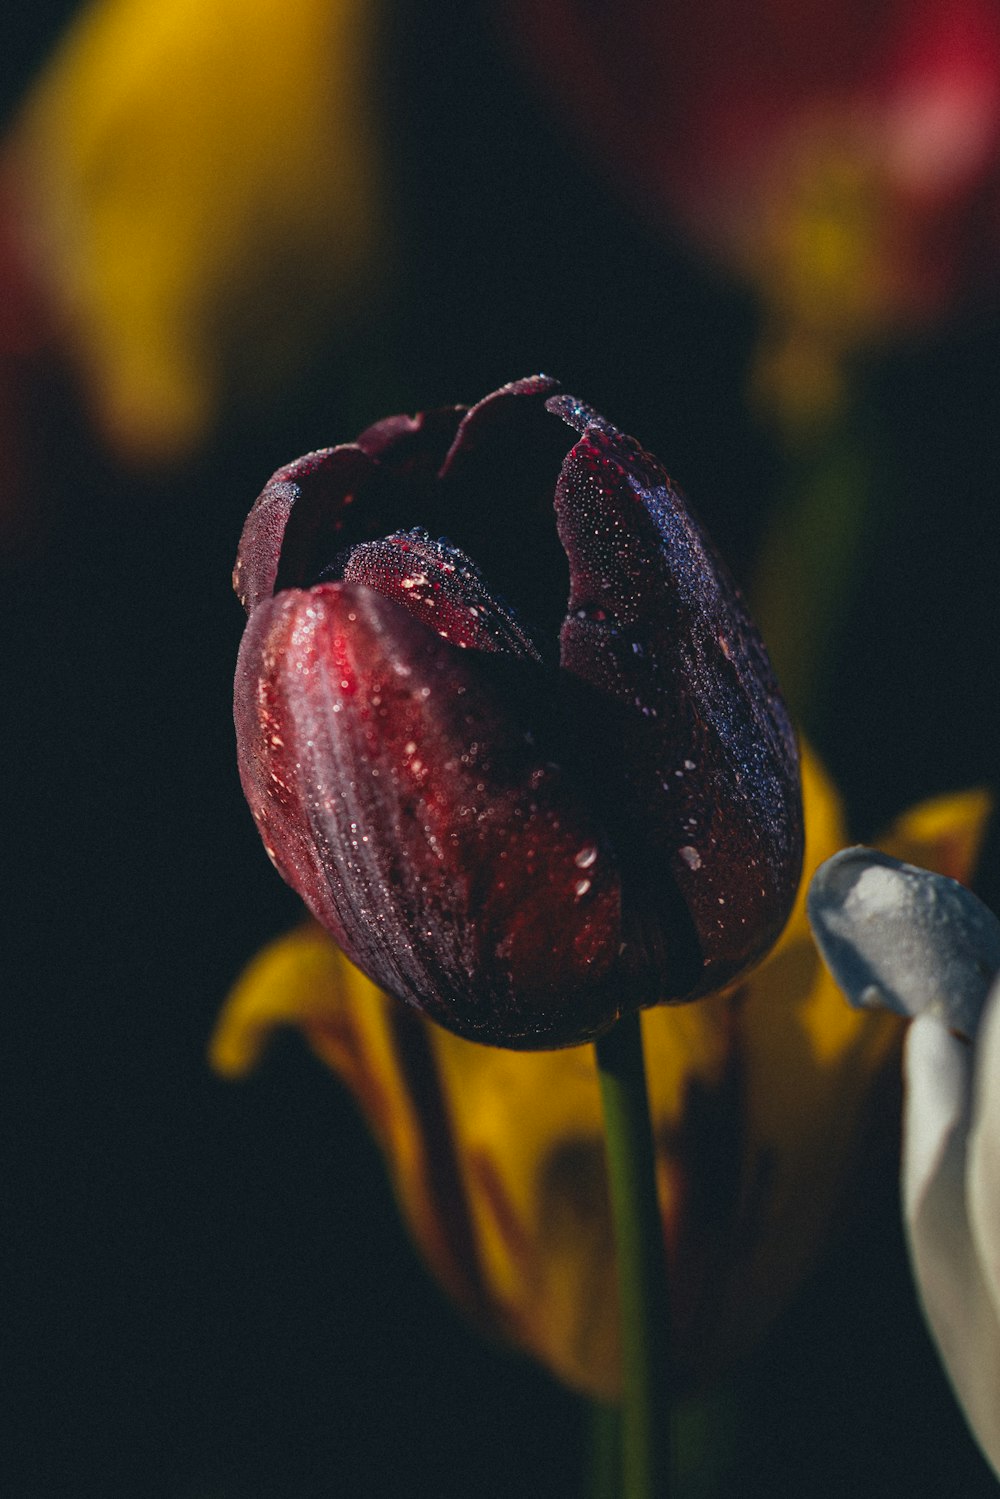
(522, 815)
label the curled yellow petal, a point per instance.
(296, 980)
(385, 1056)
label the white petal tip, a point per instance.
(904, 939)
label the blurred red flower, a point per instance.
(846, 155)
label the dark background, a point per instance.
(208, 1294)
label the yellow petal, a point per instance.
(944, 834)
(294, 981)
(383, 1054)
(199, 178)
(771, 1126)
(758, 1098)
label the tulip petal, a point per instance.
(526, 1131)
(311, 509)
(494, 414)
(439, 584)
(303, 979)
(410, 445)
(808, 1064)
(708, 757)
(955, 1295)
(331, 475)
(496, 492)
(426, 827)
(904, 939)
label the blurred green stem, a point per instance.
(809, 563)
(646, 1467)
(703, 1438)
(605, 1465)
(835, 501)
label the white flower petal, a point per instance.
(900, 938)
(956, 1297)
(983, 1168)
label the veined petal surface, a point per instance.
(396, 789)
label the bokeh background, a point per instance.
(208, 1294)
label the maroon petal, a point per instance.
(411, 445)
(496, 488)
(708, 761)
(497, 413)
(400, 787)
(312, 508)
(324, 484)
(440, 585)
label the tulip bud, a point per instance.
(522, 816)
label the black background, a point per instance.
(208, 1294)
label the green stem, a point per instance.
(604, 1470)
(642, 1280)
(809, 566)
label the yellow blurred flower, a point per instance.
(758, 1098)
(198, 186)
